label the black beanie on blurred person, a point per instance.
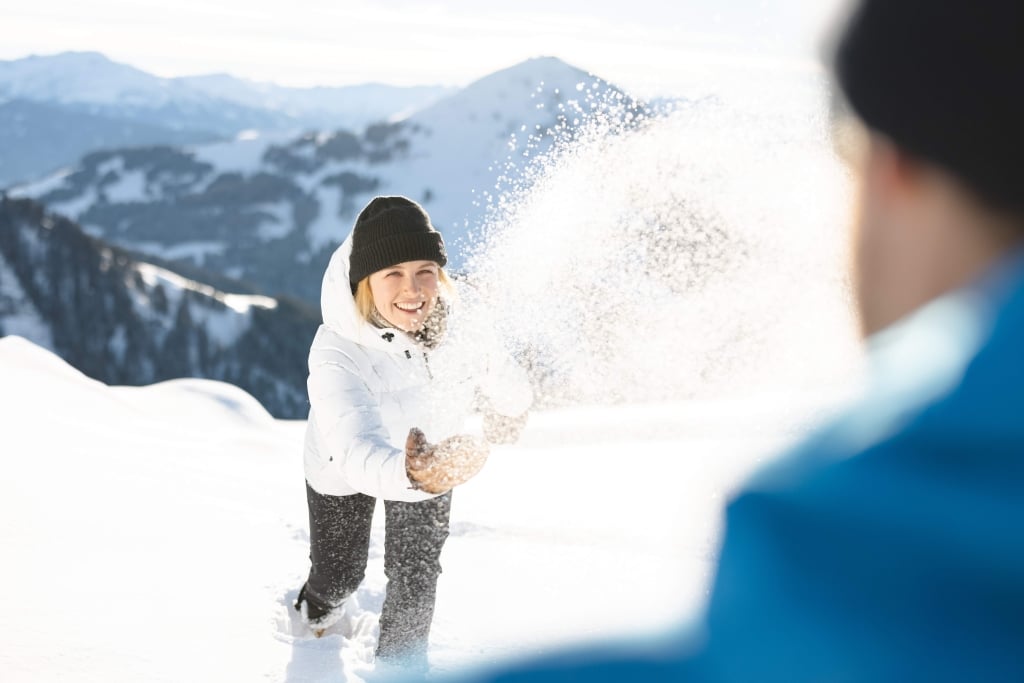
(944, 80)
(391, 230)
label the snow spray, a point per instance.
(696, 252)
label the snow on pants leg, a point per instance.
(339, 545)
(414, 536)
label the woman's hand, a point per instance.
(440, 468)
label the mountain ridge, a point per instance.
(271, 210)
(89, 85)
(121, 320)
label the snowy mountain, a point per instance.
(37, 137)
(60, 102)
(89, 82)
(85, 78)
(217, 102)
(270, 211)
(352, 106)
(126, 321)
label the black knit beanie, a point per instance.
(944, 79)
(392, 230)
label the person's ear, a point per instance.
(895, 175)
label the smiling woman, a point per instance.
(374, 396)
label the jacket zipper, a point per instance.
(426, 362)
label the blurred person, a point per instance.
(889, 546)
(380, 381)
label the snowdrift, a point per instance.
(159, 533)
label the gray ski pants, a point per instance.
(414, 534)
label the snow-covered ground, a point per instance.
(159, 533)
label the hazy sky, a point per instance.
(648, 45)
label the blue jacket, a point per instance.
(889, 546)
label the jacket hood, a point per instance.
(338, 307)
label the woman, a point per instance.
(379, 381)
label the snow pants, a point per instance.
(414, 534)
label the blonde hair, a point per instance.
(364, 297)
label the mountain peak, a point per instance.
(542, 67)
(518, 93)
(84, 77)
(70, 59)
(87, 56)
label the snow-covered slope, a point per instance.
(130, 512)
(464, 144)
(159, 533)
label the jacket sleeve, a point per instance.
(352, 433)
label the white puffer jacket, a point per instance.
(369, 386)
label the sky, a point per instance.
(650, 46)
